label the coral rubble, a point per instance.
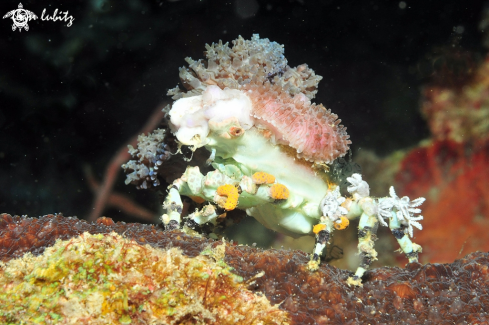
(455, 293)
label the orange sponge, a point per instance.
(317, 228)
(263, 178)
(342, 224)
(231, 192)
(279, 192)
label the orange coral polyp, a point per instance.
(231, 194)
(263, 178)
(279, 192)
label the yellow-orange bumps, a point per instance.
(279, 192)
(317, 228)
(263, 178)
(342, 224)
(231, 194)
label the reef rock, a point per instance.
(455, 293)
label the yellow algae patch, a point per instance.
(107, 279)
(231, 194)
(279, 192)
(263, 178)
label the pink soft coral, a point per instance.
(311, 129)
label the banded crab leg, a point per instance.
(334, 217)
(401, 214)
(226, 192)
(407, 246)
(173, 206)
(367, 235)
(199, 188)
(323, 233)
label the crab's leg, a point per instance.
(189, 184)
(367, 230)
(173, 205)
(208, 214)
(407, 246)
(323, 233)
(215, 186)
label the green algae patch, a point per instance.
(107, 279)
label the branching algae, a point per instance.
(270, 148)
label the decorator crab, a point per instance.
(270, 148)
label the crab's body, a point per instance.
(270, 147)
(253, 152)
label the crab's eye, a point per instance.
(235, 131)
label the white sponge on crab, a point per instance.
(190, 116)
